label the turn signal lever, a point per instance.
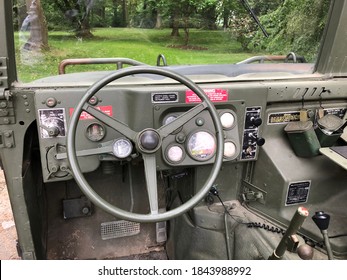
(322, 220)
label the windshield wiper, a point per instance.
(253, 15)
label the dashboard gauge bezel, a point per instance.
(237, 150)
(101, 136)
(221, 113)
(131, 146)
(166, 153)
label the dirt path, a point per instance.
(8, 234)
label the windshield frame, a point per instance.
(7, 46)
(330, 60)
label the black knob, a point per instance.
(150, 140)
(322, 220)
(256, 121)
(260, 141)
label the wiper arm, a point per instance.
(253, 15)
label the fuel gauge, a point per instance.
(95, 132)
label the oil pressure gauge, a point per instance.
(95, 132)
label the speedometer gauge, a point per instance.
(201, 145)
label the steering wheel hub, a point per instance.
(149, 140)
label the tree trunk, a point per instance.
(159, 21)
(186, 31)
(124, 13)
(175, 25)
(36, 23)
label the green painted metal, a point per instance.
(259, 184)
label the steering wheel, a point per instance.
(147, 142)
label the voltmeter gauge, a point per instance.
(95, 132)
(122, 148)
(201, 145)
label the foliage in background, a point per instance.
(241, 24)
(293, 25)
(296, 26)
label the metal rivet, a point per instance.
(3, 104)
(8, 134)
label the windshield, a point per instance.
(165, 32)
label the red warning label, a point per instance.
(214, 94)
(85, 116)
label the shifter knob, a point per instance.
(322, 220)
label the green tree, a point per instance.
(185, 14)
(295, 26)
(78, 14)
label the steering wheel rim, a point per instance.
(112, 209)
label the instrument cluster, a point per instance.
(195, 142)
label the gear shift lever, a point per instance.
(322, 220)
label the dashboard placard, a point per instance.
(165, 97)
(298, 192)
(215, 95)
(50, 119)
(85, 116)
(283, 117)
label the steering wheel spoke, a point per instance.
(151, 181)
(167, 129)
(90, 152)
(111, 122)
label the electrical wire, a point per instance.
(273, 229)
(215, 192)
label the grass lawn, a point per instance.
(144, 45)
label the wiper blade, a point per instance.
(253, 15)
